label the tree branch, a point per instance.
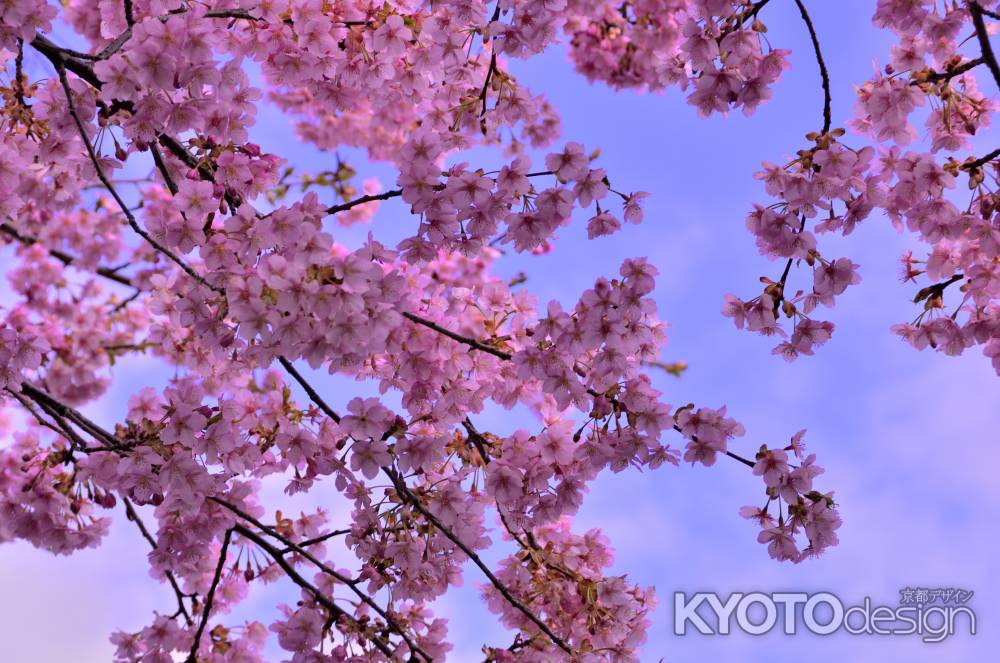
(133, 515)
(336, 611)
(824, 74)
(313, 395)
(364, 199)
(981, 161)
(983, 36)
(298, 549)
(64, 258)
(947, 74)
(207, 609)
(471, 342)
(405, 494)
(61, 70)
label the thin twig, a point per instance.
(405, 494)
(325, 568)
(133, 515)
(471, 342)
(981, 161)
(64, 258)
(61, 69)
(161, 166)
(207, 608)
(334, 209)
(827, 99)
(947, 74)
(336, 611)
(313, 395)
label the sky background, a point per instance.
(908, 439)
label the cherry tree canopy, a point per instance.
(224, 264)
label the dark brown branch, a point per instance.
(407, 496)
(335, 611)
(313, 395)
(161, 166)
(507, 356)
(983, 36)
(745, 461)
(737, 21)
(987, 12)
(477, 439)
(325, 568)
(64, 258)
(19, 74)
(133, 515)
(489, 75)
(317, 539)
(61, 70)
(57, 56)
(824, 74)
(364, 199)
(60, 427)
(934, 76)
(471, 342)
(63, 410)
(207, 608)
(981, 161)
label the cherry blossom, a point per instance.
(232, 267)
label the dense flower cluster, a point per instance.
(226, 266)
(832, 187)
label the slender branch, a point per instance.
(745, 461)
(207, 609)
(824, 74)
(983, 36)
(161, 166)
(19, 75)
(336, 611)
(405, 494)
(739, 20)
(61, 69)
(477, 440)
(981, 161)
(507, 356)
(298, 549)
(64, 429)
(133, 515)
(364, 199)
(471, 342)
(313, 395)
(489, 75)
(948, 74)
(56, 55)
(64, 258)
(42, 398)
(129, 13)
(317, 539)
(987, 12)
(60, 427)
(755, 10)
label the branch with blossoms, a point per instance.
(235, 274)
(838, 187)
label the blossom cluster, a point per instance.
(912, 178)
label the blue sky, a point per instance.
(908, 439)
